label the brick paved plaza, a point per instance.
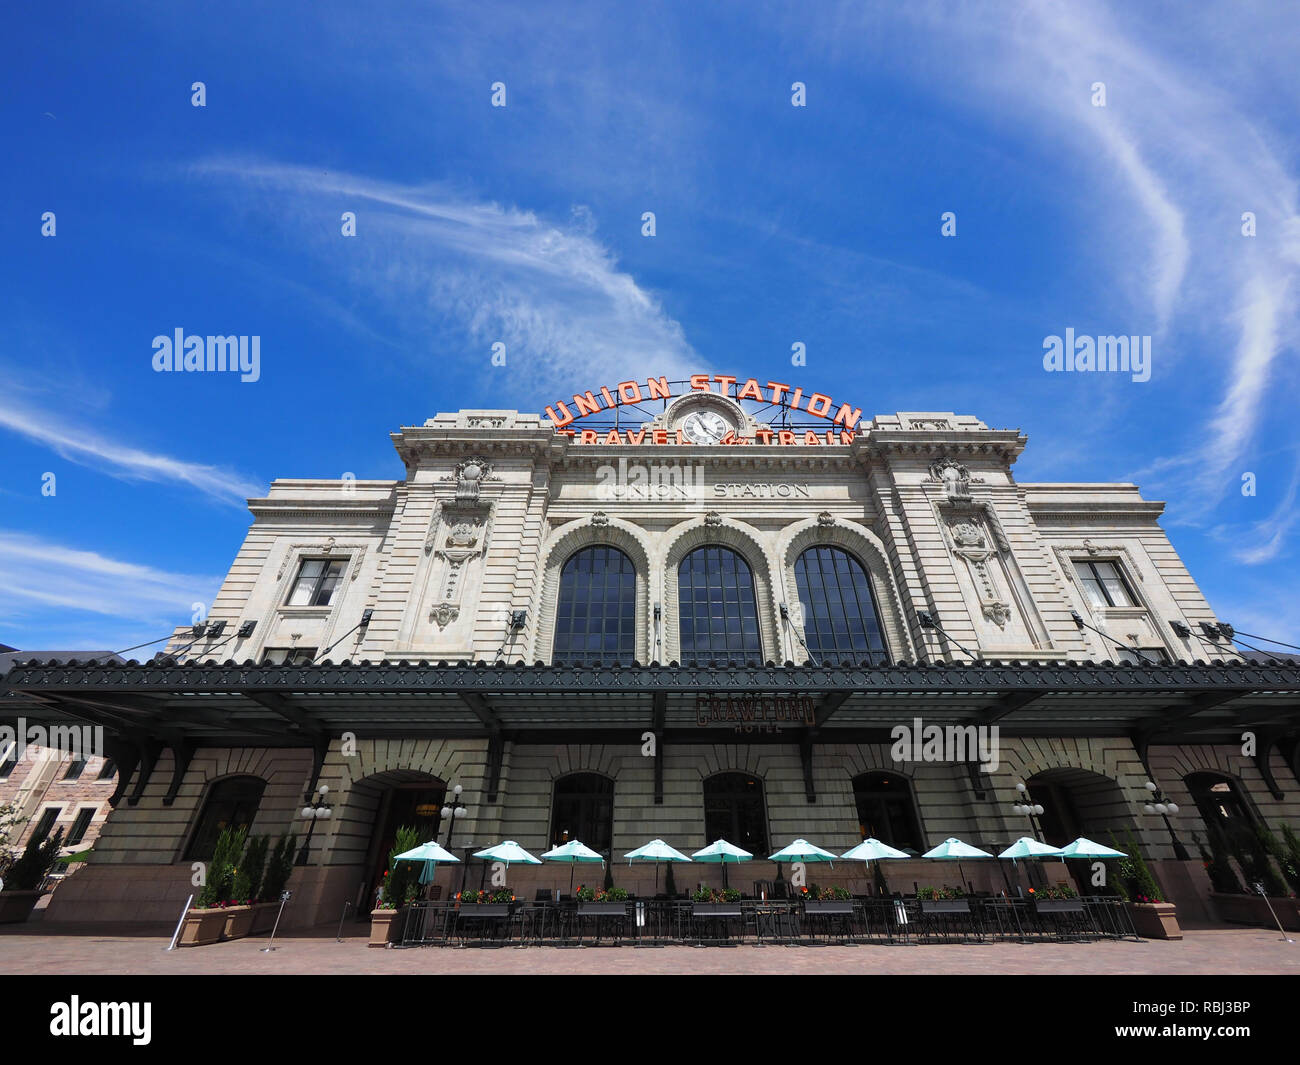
(88, 951)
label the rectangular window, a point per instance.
(74, 769)
(289, 656)
(8, 759)
(1103, 583)
(107, 770)
(48, 816)
(1145, 656)
(315, 583)
(84, 816)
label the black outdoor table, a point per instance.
(484, 919)
(828, 914)
(714, 916)
(609, 917)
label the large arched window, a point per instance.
(232, 802)
(734, 810)
(886, 811)
(583, 809)
(595, 620)
(839, 611)
(717, 609)
(1223, 808)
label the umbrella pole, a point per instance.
(724, 874)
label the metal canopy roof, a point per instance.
(280, 705)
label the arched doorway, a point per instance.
(1078, 802)
(383, 803)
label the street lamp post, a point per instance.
(1159, 804)
(317, 811)
(1029, 809)
(452, 811)
(1032, 810)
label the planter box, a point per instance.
(820, 906)
(1059, 906)
(1252, 910)
(485, 909)
(602, 909)
(239, 921)
(16, 906)
(945, 905)
(202, 927)
(385, 928)
(1155, 920)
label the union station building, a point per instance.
(681, 610)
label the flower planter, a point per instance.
(1155, 920)
(602, 909)
(1059, 905)
(202, 927)
(1253, 910)
(16, 906)
(239, 921)
(828, 906)
(385, 928)
(945, 905)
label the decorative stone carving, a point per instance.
(954, 477)
(599, 517)
(931, 423)
(444, 614)
(970, 543)
(825, 518)
(713, 518)
(431, 539)
(469, 477)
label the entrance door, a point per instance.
(405, 805)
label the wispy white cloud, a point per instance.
(549, 290)
(80, 444)
(64, 584)
(1160, 177)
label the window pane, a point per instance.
(596, 614)
(715, 584)
(839, 608)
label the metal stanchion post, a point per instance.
(1264, 895)
(284, 898)
(339, 938)
(176, 934)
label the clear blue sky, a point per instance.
(775, 224)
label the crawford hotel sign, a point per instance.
(704, 415)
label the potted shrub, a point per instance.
(943, 900)
(830, 900)
(247, 886)
(1153, 917)
(24, 877)
(1056, 898)
(611, 902)
(205, 922)
(400, 887)
(279, 867)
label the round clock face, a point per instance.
(705, 427)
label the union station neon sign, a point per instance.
(843, 419)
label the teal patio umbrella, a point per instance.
(724, 853)
(655, 851)
(872, 850)
(954, 850)
(1025, 848)
(1086, 848)
(507, 852)
(802, 851)
(429, 853)
(573, 852)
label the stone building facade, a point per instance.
(768, 575)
